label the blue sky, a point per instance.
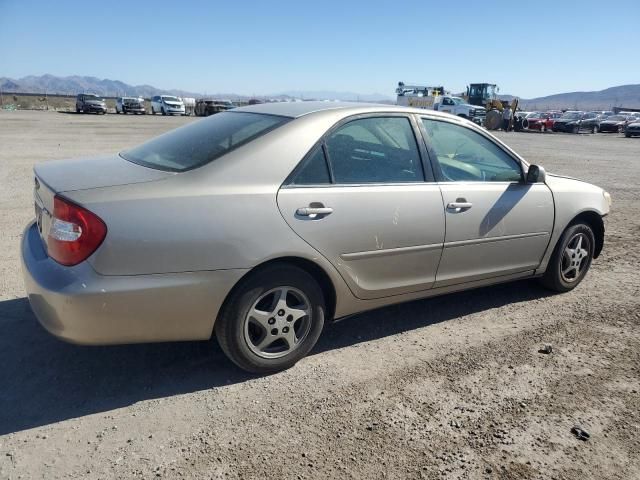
(528, 48)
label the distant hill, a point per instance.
(621, 96)
(77, 84)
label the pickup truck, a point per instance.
(457, 106)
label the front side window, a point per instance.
(203, 141)
(375, 150)
(466, 156)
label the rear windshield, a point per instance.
(202, 141)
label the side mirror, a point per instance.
(536, 174)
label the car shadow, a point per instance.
(45, 380)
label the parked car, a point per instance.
(632, 129)
(630, 114)
(90, 103)
(576, 121)
(167, 105)
(602, 114)
(206, 107)
(615, 123)
(265, 222)
(542, 121)
(130, 105)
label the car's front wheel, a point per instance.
(571, 258)
(272, 320)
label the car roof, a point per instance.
(299, 109)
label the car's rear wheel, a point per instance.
(153, 112)
(272, 320)
(163, 111)
(571, 258)
(595, 129)
(575, 129)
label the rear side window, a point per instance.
(203, 141)
(313, 170)
(375, 150)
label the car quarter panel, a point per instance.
(81, 306)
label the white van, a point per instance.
(167, 105)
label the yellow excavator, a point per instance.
(485, 95)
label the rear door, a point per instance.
(364, 199)
(496, 224)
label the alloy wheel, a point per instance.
(575, 258)
(278, 322)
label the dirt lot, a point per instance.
(452, 387)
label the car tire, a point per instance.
(571, 258)
(595, 129)
(153, 112)
(627, 135)
(77, 110)
(163, 111)
(575, 129)
(242, 336)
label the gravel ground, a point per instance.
(451, 387)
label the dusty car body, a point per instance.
(130, 105)
(90, 103)
(264, 222)
(616, 123)
(632, 129)
(576, 121)
(206, 107)
(541, 121)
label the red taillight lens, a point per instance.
(75, 232)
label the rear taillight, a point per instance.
(75, 232)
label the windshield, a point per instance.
(572, 115)
(170, 99)
(616, 118)
(201, 142)
(93, 98)
(535, 115)
(457, 100)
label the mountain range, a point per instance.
(623, 95)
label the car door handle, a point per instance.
(459, 206)
(313, 211)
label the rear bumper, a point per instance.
(78, 305)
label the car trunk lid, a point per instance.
(86, 173)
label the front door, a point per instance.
(495, 223)
(360, 199)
